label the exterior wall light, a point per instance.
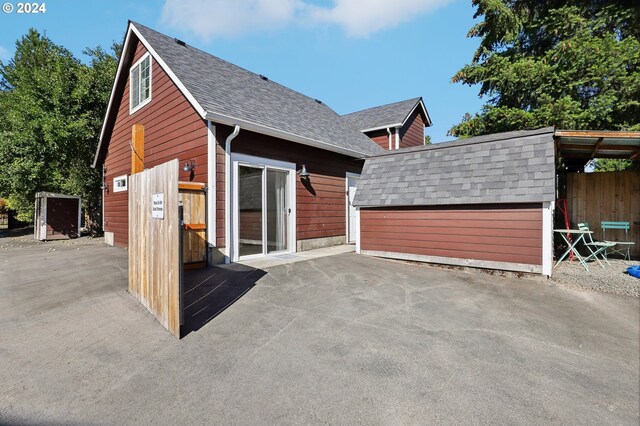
(303, 173)
(189, 166)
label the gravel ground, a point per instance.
(23, 238)
(612, 279)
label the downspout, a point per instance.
(389, 133)
(397, 137)
(227, 193)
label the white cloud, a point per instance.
(359, 18)
(5, 55)
(211, 18)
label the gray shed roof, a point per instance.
(512, 167)
(229, 90)
(389, 115)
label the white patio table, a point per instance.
(564, 233)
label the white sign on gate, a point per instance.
(157, 206)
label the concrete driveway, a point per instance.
(344, 339)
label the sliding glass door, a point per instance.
(263, 209)
(277, 210)
(250, 210)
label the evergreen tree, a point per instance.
(573, 65)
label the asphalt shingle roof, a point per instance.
(381, 116)
(513, 167)
(223, 88)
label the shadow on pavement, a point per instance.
(17, 232)
(208, 292)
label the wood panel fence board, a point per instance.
(154, 258)
(607, 196)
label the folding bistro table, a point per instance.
(564, 233)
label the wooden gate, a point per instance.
(194, 235)
(156, 202)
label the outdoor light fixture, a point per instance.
(189, 166)
(303, 173)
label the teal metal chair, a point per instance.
(595, 247)
(625, 249)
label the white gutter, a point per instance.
(397, 137)
(270, 131)
(212, 185)
(227, 193)
(389, 133)
(386, 126)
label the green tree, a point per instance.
(427, 140)
(573, 65)
(51, 110)
(609, 165)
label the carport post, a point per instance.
(547, 238)
(358, 230)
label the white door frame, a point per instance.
(252, 161)
(348, 227)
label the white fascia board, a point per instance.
(424, 109)
(426, 114)
(170, 73)
(269, 131)
(123, 55)
(163, 65)
(386, 126)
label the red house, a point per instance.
(249, 139)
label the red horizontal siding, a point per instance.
(172, 128)
(510, 233)
(381, 137)
(412, 133)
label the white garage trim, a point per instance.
(505, 266)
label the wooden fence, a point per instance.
(154, 242)
(607, 196)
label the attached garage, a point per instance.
(484, 202)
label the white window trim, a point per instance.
(126, 183)
(146, 101)
(249, 160)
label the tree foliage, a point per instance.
(608, 165)
(573, 65)
(51, 111)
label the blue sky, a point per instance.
(351, 54)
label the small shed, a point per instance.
(484, 202)
(57, 216)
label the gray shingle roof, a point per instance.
(382, 116)
(223, 88)
(513, 167)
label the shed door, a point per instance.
(352, 214)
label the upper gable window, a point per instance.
(140, 84)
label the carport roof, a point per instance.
(589, 144)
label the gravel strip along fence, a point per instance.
(612, 279)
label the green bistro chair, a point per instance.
(625, 249)
(595, 247)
